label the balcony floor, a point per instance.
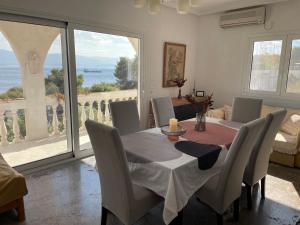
(29, 151)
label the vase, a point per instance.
(200, 122)
(179, 94)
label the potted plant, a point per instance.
(179, 83)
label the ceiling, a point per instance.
(216, 6)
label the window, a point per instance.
(274, 66)
(107, 69)
(46, 94)
(32, 86)
(293, 84)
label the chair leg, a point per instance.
(104, 216)
(178, 220)
(249, 196)
(236, 209)
(219, 219)
(20, 209)
(263, 183)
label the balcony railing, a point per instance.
(90, 106)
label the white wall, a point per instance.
(223, 53)
(120, 14)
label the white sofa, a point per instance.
(286, 149)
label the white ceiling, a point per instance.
(216, 6)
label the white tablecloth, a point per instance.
(156, 164)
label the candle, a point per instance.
(173, 123)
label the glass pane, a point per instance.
(293, 84)
(107, 70)
(265, 65)
(32, 106)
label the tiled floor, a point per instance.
(70, 194)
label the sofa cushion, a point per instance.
(12, 183)
(286, 143)
(266, 109)
(292, 125)
(216, 113)
(227, 112)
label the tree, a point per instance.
(121, 73)
(55, 82)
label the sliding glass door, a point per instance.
(53, 77)
(33, 83)
(107, 70)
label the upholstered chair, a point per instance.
(225, 188)
(258, 164)
(127, 201)
(163, 110)
(245, 110)
(125, 116)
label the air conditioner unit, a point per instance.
(243, 17)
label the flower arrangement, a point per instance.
(203, 106)
(179, 83)
(201, 109)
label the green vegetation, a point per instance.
(12, 93)
(54, 85)
(103, 87)
(122, 70)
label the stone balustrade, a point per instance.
(90, 106)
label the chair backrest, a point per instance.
(245, 110)
(229, 186)
(163, 110)
(258, 164)
(116, 186)
(125, 116)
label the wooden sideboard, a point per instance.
(183, 110)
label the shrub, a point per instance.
(12, 93)
(102, 87)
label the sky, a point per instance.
(90, 44)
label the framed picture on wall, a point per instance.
(200, 93)
(174, 63)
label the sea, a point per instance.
(10, 76)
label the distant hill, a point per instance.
(8, 58)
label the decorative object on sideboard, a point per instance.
(182, 6)
(179, 83)
(201, 110)
(174, 63)
(200, 93)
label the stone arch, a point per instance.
(31, 44)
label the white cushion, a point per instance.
(285, 143)
(266, 109)
(292, 125)
(228, 112)
(216, 113)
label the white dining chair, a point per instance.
(127, 201)
(163, 110)
(125, 116)
(245, 110)
(225, 188)
(258, 164)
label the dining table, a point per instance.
(155, 163)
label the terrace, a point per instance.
(18, 149)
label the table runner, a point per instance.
(215, 134)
